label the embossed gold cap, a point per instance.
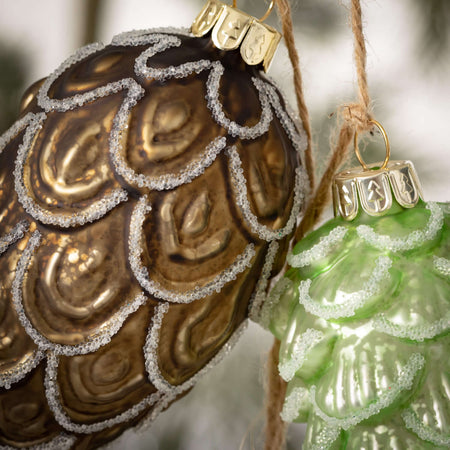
(374, 186)
(373, 189)
(233, 29)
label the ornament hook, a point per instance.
(269, 10)
(266, 14)
(386, 141)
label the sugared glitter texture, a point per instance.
(148, 192)
(363, 317)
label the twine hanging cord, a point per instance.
(352, 118)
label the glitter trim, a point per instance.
(425, 432)
(151, 357)
(212, 97)
(404, 382)
(61, 442)
(302, 345)
(240, 191)
(442, 266)
(163, 182)
(152, 287)
(93, 212)
(135, 38)
(53, 398)
(353, 301)
(299, 141)
(411, 241)
(101, 337)
(260, 293)
(416, 333)
(325, 438)
(21, 369)
(17, 233)
(296, 400)
(14, 130)
(48, 104)
(319, 251)
(163, 42)
(273, 299)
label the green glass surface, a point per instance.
(364, 328)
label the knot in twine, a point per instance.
(356, 117)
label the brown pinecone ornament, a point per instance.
(148, 192)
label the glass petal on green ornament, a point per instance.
(306, 346)
(428, 414)
(279, 305)
(421, 308)
(370, 372)
(353, 287)
(392, 435)
(442, 266)
(297, 404)
(320, 435)
(404, 231)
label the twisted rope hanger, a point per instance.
(356, 118)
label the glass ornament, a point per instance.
(363, 317)
(148, 193)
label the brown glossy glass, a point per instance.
(80, 276)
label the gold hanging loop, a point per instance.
(386, 141)
(269, 10)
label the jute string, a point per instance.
(352, 117)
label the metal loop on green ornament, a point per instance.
(386, 141)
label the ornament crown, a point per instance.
(233, 29)
(375, 185)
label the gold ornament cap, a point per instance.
(374, 187)
(233, 29)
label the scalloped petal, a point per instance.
(369, 372)
(391, 435)
(74, 290)
(420, 310)
(430, 407)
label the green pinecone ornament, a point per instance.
(363, 318)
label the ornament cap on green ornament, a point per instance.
(375, 190)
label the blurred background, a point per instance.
(408, 69)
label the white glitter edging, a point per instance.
(192, 170)
(99, 338)
(442, 266)
(416, 333)
(16, 233)
(212, 97)
(15, 129)
(296, 400)
(413, 423)
(302, 345)
(260, 294)
(141, 273)
(21, 369)
(299, 141)
(161, 43)
(151, 357)
(318, 251)
(135, 38)
(54, 402)
(48, 104)
(90, 214)
(403, 382)
(325, 438)
(409, 242)
(353, 301)
(240, 191)
(272, 300)
(62, 441)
